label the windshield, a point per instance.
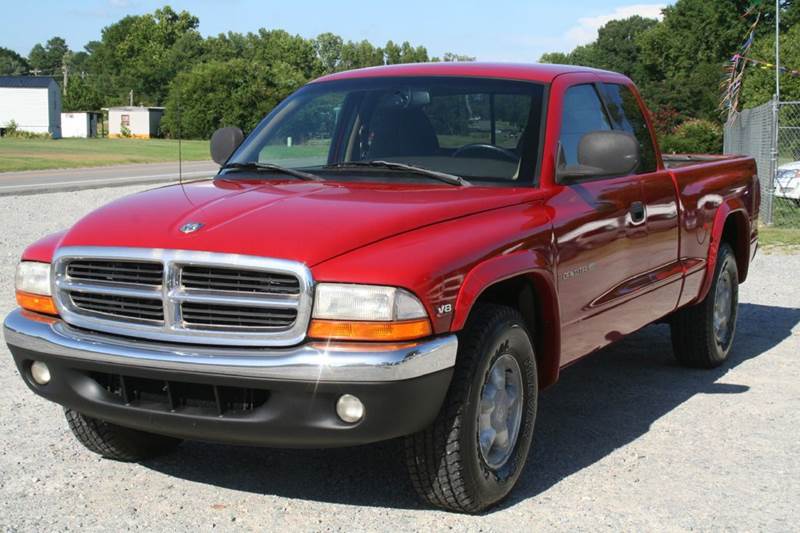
(478, 129)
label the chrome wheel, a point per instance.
(723, 308)
(500, 414)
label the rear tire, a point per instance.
(117, 442)
(484, 420)
(702, 335)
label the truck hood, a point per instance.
(303, 221)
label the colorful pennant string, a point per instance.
(732, 85)
(735, 71)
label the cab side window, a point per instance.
(626, 114)
(583, 113)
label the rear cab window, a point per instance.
(479, 118)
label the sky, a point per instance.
(500, 30)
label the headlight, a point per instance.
(337, 301)
(32, 284)
(33, 278)
(367, 312)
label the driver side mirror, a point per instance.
(603, 154)
(224, 142)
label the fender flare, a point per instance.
(536, 266)
(731, 208)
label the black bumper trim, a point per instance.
(296, 414)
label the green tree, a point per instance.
(360, 55)
(269, 47)
(82, 95)
(230, 93)
(684, 55)
(47, 59)
(11, 63)
(696, 136)
(393, 53)
(328, 48)
(450, 57)
(617, 48)
(79, 63)
(136, 53)
(759, 84)
(409, 54)
(678, 62)
(161, 57)
(556, 58)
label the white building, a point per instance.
(81, 124)
(33, 103)
(136, 122)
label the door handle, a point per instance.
(638, 213)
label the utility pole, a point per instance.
(65, 72)
(65, 61)
(778, 50)
(776, 112)
(130, 95)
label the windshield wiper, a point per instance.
(273, 168)
(452, 179)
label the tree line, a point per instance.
(679, 63)
(161, 59)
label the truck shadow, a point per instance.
(599, 405)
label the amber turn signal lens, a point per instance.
(369, 331)
(36, 302)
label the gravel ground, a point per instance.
(626, 441)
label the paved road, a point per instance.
(626, 441)
(38, 181)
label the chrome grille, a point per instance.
(228, 279)
(133, 272)
(184, 296)
(118, 306)
(235, 316)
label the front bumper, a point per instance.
(195, 392)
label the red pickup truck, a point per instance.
(409, 251)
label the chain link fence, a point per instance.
(771, 134)
(786, 193)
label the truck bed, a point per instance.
(685, 160)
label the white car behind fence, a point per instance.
(787, 182)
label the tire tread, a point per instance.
(116, 442)
(434, 458)
(693, 341)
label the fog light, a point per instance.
(350, 409)
(40, 373)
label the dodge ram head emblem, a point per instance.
(191, 227)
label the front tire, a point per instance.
(472, 455)
(702, 335)
(117, 442)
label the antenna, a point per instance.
(180, 153)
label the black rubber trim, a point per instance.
(297, 414)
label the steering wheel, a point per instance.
(492, 151)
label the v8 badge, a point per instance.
(445, 309)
